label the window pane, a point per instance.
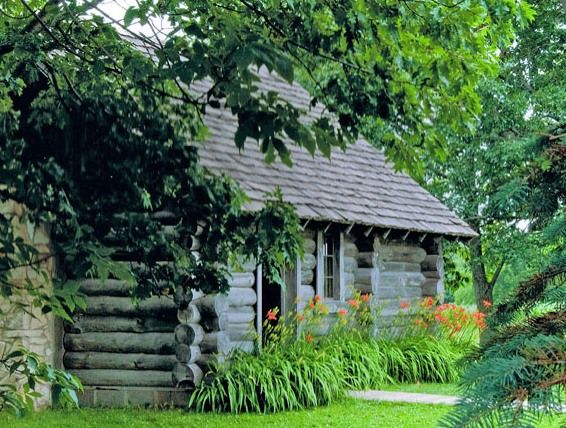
(330, 260)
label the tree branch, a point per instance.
(495, 276)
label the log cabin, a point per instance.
(366, 227)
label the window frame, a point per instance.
(338, 274)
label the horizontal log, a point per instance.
(241, 331)
(187, 353)
(349, 279)
(366, 276)
(309, 245)
(392, 307)
(399, 267)
(214, 342)
(242, 297)
(433, 287)
(240, 345)
(400, 279)
(350, 249)
(186, 375)
(109, 287)
(363, 288)
(190, 314)
(109, 360)
(399, 292)
(234, 315)
(211, 305)
(243, 279)
(401, 253)
(306, 292)
(189, 334)
(350, 264)
(431, 274)
(244, 265)
(109, 377)
(205, 360)
(98, 323)
(308, 262)
(161, 307)
(431, 262)
(148, 343)
(307, 276)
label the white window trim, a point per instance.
(259, 296)
(320, 267)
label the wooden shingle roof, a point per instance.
(356, 186)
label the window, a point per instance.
(328, 265)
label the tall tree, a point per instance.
(480, 176)
(519, 372)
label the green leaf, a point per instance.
(130, 15)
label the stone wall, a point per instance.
(36, 332)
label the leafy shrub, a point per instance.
(296, 369)
(457, 324)
(29, 370)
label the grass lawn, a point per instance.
(347, 413)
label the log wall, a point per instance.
(115, 342)
(433, 270)
(307, 287)
(234, 326)
(168, 342)
(392, 272)
(351, 255)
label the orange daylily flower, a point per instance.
(428, 302)
(354, 303)
(487, 303)
(342, 312)
(404, 305)
(272, 315)
(365, 297)
(309, 337)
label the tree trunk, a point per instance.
(483, 288)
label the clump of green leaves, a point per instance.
(29, 370)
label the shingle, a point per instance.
(357, 186)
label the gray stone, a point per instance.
(86, 398)
(143, 397)
(115, 397)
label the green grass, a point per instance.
(347, 413)
(423, 388)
